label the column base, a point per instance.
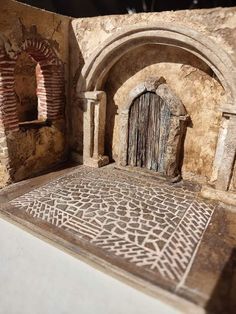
(226, 197)
(96, 162)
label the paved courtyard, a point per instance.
(146, 222)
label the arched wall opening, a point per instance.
(32, 146)
(49, 78)
(95, 75)
(153, 129)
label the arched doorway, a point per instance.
(149, 124)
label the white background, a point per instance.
(37, 278)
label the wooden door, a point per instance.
(149, 123)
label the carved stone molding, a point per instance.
(96, 68)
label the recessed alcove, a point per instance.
(190, 79)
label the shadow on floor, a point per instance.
(223, 298)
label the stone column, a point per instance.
(228, 154)
(124, 120)
(94, 129)
(88, 129)
(4, 158)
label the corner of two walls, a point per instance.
(25, 152)
(76, 108)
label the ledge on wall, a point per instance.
(36, 124)
(228, 198)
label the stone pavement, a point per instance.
(145, 222)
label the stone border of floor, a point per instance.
(17, 189)
(193, 186)
(69, 244)
(221, 196)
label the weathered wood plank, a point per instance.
(149, 124)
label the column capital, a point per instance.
(92, 95)
(228, 109)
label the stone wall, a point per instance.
(43, 37)
(192, 79)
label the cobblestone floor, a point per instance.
(145, 221)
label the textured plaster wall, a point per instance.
(233, 181)
(33, 150)
(191, 79)
(48, 280)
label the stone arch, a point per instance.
(96, 68)
(158, 86)
(177, 127)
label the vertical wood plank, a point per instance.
(149, 123)
(164, 133)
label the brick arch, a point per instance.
(50, 79)
(8, 114)
(50, 83)
(160, 87)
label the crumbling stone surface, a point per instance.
(30, 150)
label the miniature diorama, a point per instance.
(118, 137)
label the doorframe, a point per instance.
(176, 107)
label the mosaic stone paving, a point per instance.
(145, 221)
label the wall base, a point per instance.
(97, 163)
(218, 195)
